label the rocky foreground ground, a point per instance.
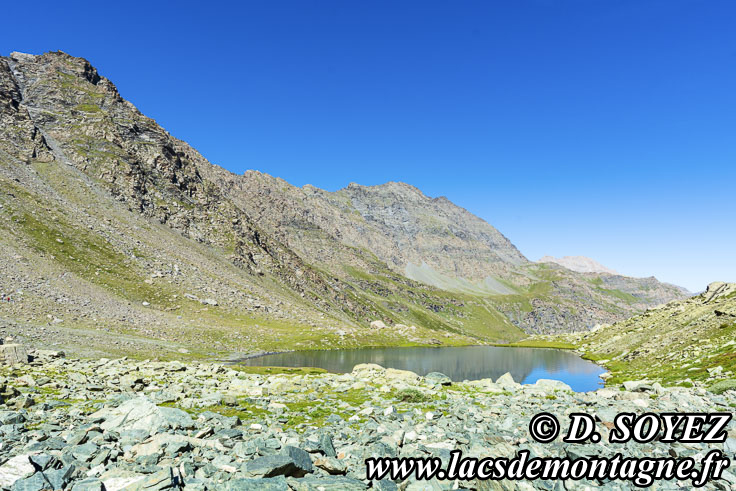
(122, 424)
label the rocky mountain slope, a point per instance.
(108, 224)
(682, 342)
(581, 264)
(437, 243)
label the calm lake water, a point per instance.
(526, 365)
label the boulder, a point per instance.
(552, 385)
(336, 483)
(638, 386)
(59, 478)
(18, 467)
(393, 374)
(89, 484)
(49, 354)
(141, 414)
(244, 387)
(331, 465)
(367, 367)
(258, 484)
(36, 482)
(506, 382)
(384, 485)
(10, 354)
(438, 378)
(270, 466)
(730, 445)
(162, 480)
(326, 446)
(302, 460)
(378, 325)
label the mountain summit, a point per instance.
(116, 236)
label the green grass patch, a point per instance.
(410, 395)
(621, 295)
(539, 343)
(89, 108)
(723, 386)
(279, 370)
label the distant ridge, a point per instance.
(581, 264)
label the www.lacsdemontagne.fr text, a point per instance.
(641, 472)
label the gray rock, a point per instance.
(59, 478)
(85, 452)
(270, 466)
(168, 479)
(302, 460)
(730, 445)
(438, 378)
(326, 446)
(384, 485)
(244, 450)
(313, 483)
(638, 386)
(506, 380)
(141, 414)
(11, 418)
(331, 465)
(42, 462)
(262, 484)
(10, 354)
(18, 467)
(89, 484)
(36, 482)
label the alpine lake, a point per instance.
(526, 365)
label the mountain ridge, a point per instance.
(152, 232)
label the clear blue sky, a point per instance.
(605, 129)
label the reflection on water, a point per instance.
(462, 363)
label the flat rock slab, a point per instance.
(326, 484)
(262, 484)
(16, 468)
(271, 466)
(141, 414)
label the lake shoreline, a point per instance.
(459, 363)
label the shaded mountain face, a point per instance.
(109, 222)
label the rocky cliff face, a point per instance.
(110, 222)
(394, 221)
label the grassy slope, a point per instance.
(45, 227)
(412, 303)
(681, 343)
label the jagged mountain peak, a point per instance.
(398, 187)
